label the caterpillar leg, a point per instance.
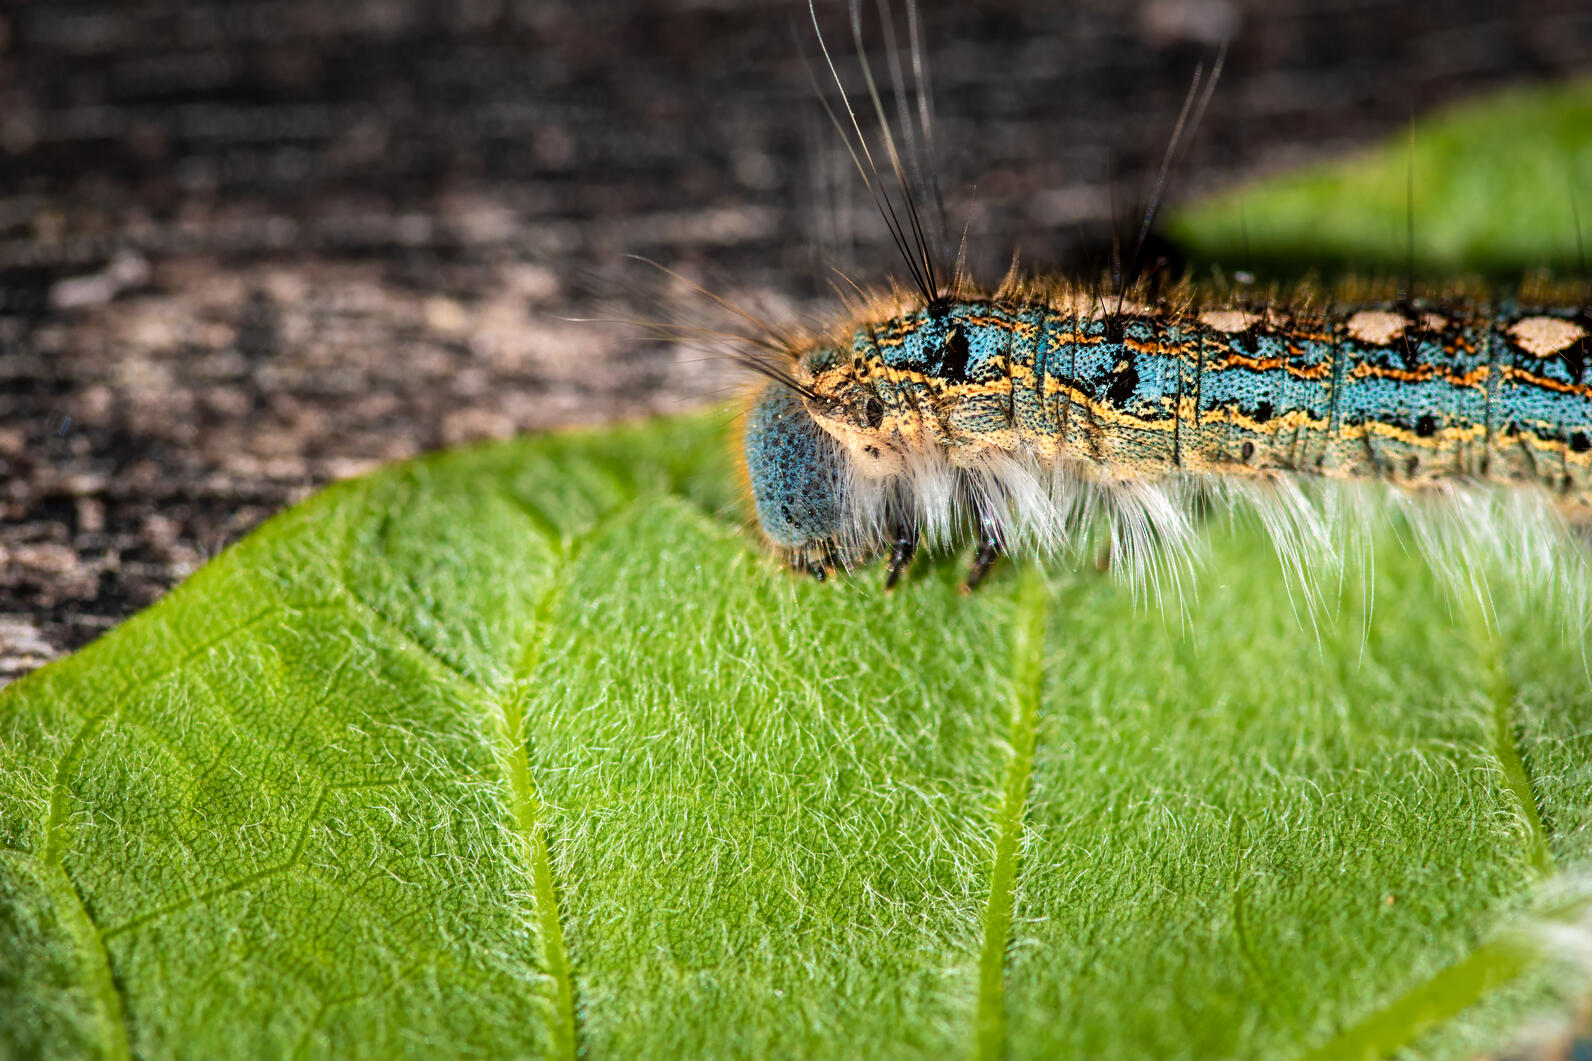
(821, 561)
(801, 561)
(904, 546)
(989, 550)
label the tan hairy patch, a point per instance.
(1228, 320)
(1545, 336)
(1376, 326)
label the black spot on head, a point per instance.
(1580, 442)
(1247, 454)
(953, 360)
(1426, 426)
(873, 409)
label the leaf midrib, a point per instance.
(1028, 661)
(526, 804)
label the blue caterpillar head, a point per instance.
(795, 468)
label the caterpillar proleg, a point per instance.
(1022, 415)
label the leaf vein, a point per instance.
(91, 944)
(1428, 1003)
(288, 862)
(1513, 762)
(55, 821)
(526, 804)
(412, 643)
(1028, 677)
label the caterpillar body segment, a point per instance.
(1023, 414)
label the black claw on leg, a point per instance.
(904, 546)
(817, 569)
(989, 549)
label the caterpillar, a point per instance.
(1024, 412)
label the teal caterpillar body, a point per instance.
(1002, 410)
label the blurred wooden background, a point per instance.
(249, 247)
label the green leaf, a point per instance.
(1498, 185)
(530, 749)
(530, 745)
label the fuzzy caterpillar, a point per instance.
(1026, 412)
(1012, 408)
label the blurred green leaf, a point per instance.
(1497, 186)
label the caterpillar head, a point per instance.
(798, 478)
(822, 451)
